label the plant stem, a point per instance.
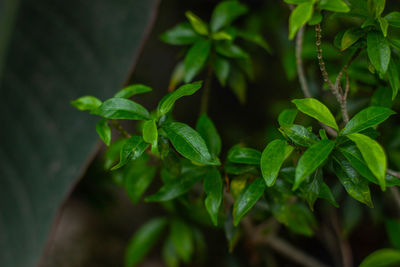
(206, 89)
(302, 77)
(393, 173)
(299, 61)
(345, 249)
(119, 128)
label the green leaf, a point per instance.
(393, 231)
(247, 198)
(86, 103)
(367, 118)
(206, 128)
(378, 51)
(196, 58)
(225, 13)
(353, 155)
(272, 159)
(213, 188)
(221, 35)
(221, 68)
(182, 238)
(69, 53)
(355, 186)
(393, 18)
(376, 7)
(137, 178)
(143, 240)
(382, 97)
(181, 34)
(350, 37)
(120, 108)
(299, 16)
(198, 25)
(384, 24)
(180, 186)
(230, 50)
(132, 90)
(254, 38)
(314, 156)
(299, 135)
(131, 150)
(317, 189)
(244, 155)
(104, 131)
(373, 155)
(314, 108)
(382, 258)
(287, 117)
(170, 256)
(334, 5)
(189, 143)
(393, 76)
(150, 132)
(295, 215)
(237, 82)
(169, 100)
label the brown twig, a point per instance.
(345, 249)
(393, 173)
(119, 128)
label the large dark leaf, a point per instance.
(58, 51)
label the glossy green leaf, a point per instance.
(246, 200)
(378, 51)
(189, 143)
(170, 255)
(150, 132)
(299, 135)
(131, 150)
(230, 50)
(354, 185)
(299, 16)
(169, 100)
(221, 68)
(384, 24)
(350, 37)
(180, 186)
(104, 131)
(382, 258)
(87, 103)
(181, 236)
(317, 189)
(244, 155)
(334, 5)
(393, 77)
(393, 231)
(121, 108)
(143, 240)
(367, 118)
(287, 117)
(196, 58)
(206, 128)
(255, 38)
(225, 13)
(213, 188)
(134, 89)
(373, 155)
(314, 156)
(197, 23)
(181, 34)
(376, 7)
(272, 159)
(221, 35)
(353, 155)
(314, 108)
(393, 18)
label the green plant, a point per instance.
(260, 186)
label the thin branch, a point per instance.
(345, 249)
(207, 86)
(299, 61)
(393, 173)
(302, 76)
(119, 128)
(296, 255)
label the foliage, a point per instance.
(292, 170)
